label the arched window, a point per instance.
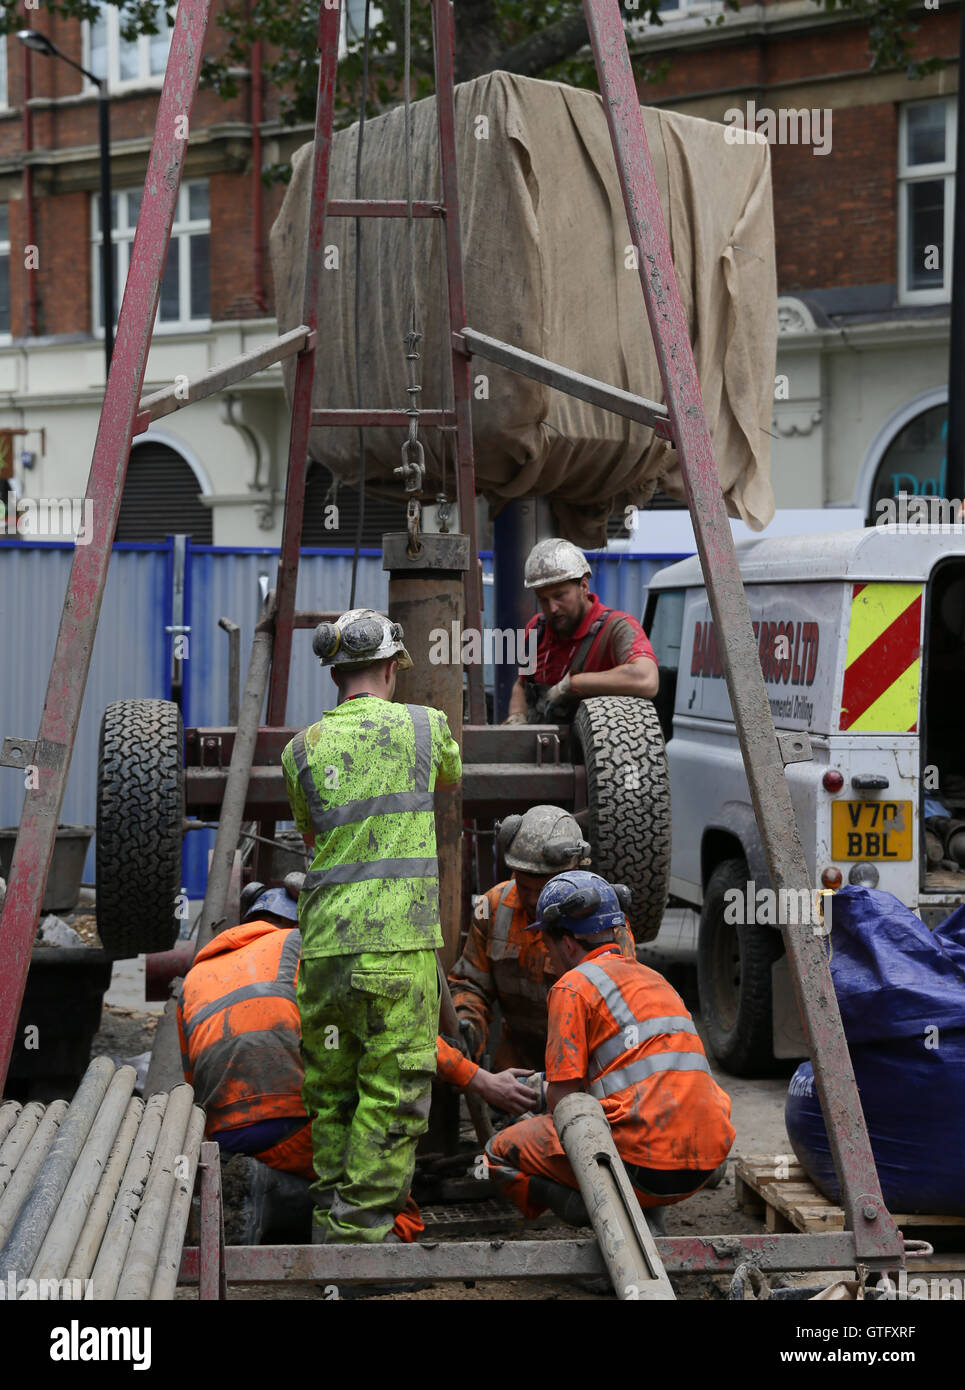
(908, 455)
(162, 497)
(332, 515)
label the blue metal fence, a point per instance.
(132, 651)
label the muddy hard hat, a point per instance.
(257, 900)
(543, 841)
(581, 903)
(358, 638)
(553, 562)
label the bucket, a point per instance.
(66, 867)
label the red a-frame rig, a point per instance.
(871, 1238)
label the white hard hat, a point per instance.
(358, 638)
(543, 841)
(553, 562)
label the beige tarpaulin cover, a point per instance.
(548, 268)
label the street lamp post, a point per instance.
(40, 43)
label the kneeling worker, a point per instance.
(240, 1038)
(617, 1030)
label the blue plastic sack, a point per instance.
(901, 990)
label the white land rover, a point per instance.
(862, 644)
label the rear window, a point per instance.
(665, 613)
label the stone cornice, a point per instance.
(750, 22)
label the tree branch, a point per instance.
(545, 47)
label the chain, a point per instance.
(413, 468)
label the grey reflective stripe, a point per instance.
(288, 962)
(647, 1066)
(643, 1028)
(502, 921)
(387, 805)
(515, 984)
(375, 868)
(418, 1108)
(610, 992)
(465, 970)
(420, 799)
(423, 745)
(264, 989)
(360, 1216)
(305, 779)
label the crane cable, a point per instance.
(358, 307)
(413, 455)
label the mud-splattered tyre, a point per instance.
(140, 814)
(734, 962)
(628, 799)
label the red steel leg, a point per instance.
(876, 1235)
(88, 574)
(212, 1280)
(291, 539)
(444, 42)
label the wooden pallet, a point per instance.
(778, 1187)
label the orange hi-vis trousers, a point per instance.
(531, 1148)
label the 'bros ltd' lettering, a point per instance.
(788, 652)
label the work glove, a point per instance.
(472, 1042)
(536, 1082)
(559, 702)
(516, 719)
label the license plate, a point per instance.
(871, 829)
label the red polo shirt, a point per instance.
(622, 639)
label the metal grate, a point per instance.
(471, 1217)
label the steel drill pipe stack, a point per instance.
(137, 1274)
(26, 1161)
(33, 1220)
(120, 1227)
(95, 1224)
(18, 1136)
(172, 1241)
(68, 1220)
(9, 1115)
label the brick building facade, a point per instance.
(862, 228)
(864, 328)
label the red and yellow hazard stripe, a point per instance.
(883, 660)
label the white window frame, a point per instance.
(924, 173)
(145, 77)
(683, 9)
(7, 336)
(376, 15)
(4, 75)
(182, 230)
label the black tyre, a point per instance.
(734, 962)
(628, 796)
(140, 811)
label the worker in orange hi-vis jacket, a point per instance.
(503, 961)
(618, 1031)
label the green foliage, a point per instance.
(491, 29)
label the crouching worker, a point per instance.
(618, 1031)
(240, 1034)
(240, 1037)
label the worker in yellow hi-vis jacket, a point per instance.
(360, 784)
